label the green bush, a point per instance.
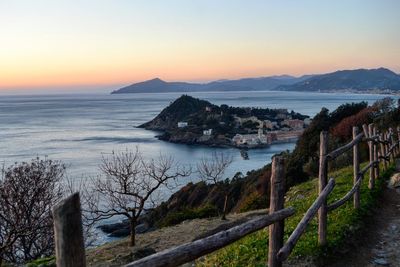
(253, 202)
(173, 218)
(43, 262)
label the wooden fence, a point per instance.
(383, 147)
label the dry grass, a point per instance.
(118, 252)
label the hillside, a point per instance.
(251, 250)
(248, 84)
(360, 80)
(177, 111)
(251, 192)
(343, 224)
(194, 121)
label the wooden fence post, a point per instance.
(371, 182)
(394, 137)
(376, 156)
(277, 200)
(382, 139)
(356, 169)
(387, 146)
(70, 249)
(392, 142)
(396, 133)
(398, 140)
(322, 181)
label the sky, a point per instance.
(49, 44)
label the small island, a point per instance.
(189, 120)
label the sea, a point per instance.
(78, 129)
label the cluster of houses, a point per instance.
(283, 128)
(183, 124)
(268, 138)
(286, 124)
(286, 129)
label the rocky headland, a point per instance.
(194, 121)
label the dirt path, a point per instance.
(379, 244)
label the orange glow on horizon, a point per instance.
(104, 77)
(112, 43)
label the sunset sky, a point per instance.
(99, 44)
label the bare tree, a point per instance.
(130, 185)
(28, 190)
(212, 171)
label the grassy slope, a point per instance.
(342, 223)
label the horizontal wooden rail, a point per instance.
(391, 149)
(346, 197)
(285, 251)
(339, 151)
(382, 142)
(386, 158)
(374, 138)
(366, 168)
(190, 251)
(349, 194)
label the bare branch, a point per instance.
(130, 185)
(213, 169)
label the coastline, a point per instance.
(357, 92)
(229, 145)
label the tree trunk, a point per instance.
(133, 232)
(224, 210)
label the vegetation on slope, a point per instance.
(251, 191)
(343, 223)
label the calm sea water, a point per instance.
(78, 129)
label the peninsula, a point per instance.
(190, 120)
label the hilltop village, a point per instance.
(193, 121)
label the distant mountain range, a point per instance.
(359, 80)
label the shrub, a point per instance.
(173, 218)
(43, 262)
(254, 201)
